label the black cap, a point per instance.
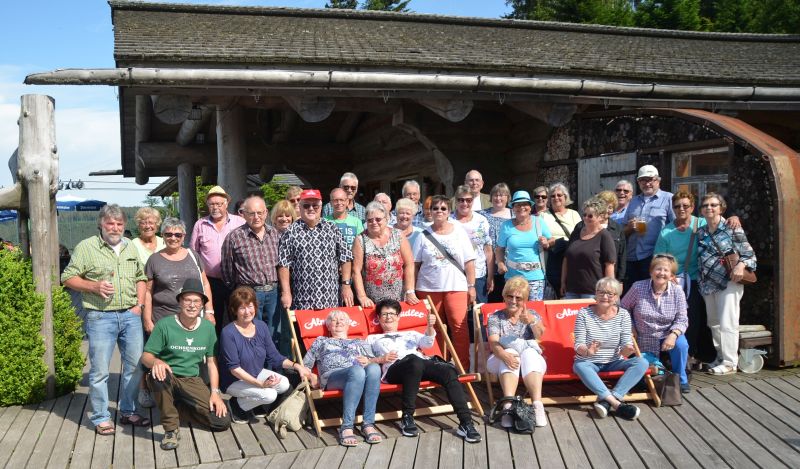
(192, 285)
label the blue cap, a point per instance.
(521, 196)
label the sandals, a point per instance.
(347, 440)
(135, 419)
(371, 437)
(723, 370)
(105, 428)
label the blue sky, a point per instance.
(43, 35)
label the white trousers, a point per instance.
(530, 361)
(250, 396)
(722, 309)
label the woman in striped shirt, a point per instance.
(602, 341)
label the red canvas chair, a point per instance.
(308, 325)
(557, 343)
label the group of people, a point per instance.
(234, 279)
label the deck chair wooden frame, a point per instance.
(480, 315)
(433, 409)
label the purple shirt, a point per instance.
(249, 354)
(207, 241)
(654, 320)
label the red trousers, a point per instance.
(452, 307)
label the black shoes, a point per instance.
(238, 415)
(407, 425)
(627, 411)
(466, 430)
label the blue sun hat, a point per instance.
(520, 196)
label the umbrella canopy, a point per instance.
(8, 215)
(70, 203)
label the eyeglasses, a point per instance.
(350, 188)
(308, 206)
(338, 201)
(683, 206)
(607, 294)
(665, 256)
(514, 298)
(388, 314)
(556, 196)
(216, 204)
(439, 209)
(540, 197)
(295, 200)
(624, 191)
(375, 220)
(710, 205)
(646, 180)
(191, 302)
(464, 200)
(260, 213)
(173, 235)
(588, 215)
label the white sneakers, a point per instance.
(539, 414)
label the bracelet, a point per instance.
(210, 311)
(410, 292)
(216, 390)
(471, 286)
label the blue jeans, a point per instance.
(105, 329)
(679, 355)
(267, 303)
(536, 290)
(578, 296)
(355, 381)
(634, 367)
(481, 295)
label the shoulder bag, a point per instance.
(684, 279)
(291, 413)
(444, 251)
(730, 260)
(668, 387)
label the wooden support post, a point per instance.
(190, 128)
(231, 151)
(38, 163)
(187, 193)
(142, 135)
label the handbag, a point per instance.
(291, 413)
(683, 278)
(730, 260)
(520, 411)
(668, 388)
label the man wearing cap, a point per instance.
(312, 253)
(173, 353)
(250, 258)
(107, 271)
(654, 207)
(349, 184)
(207, 237)
(349, 225)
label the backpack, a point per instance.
(291, 413)
(520, 411)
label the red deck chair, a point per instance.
(307, 325)
(558, 346)
(415, 317)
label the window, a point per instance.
(701, 171)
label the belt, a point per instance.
(524, 266)
(267, 287)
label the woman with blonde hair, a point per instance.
(282, 215)
(148, 220)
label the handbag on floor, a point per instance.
(291, 413)
(520, 411)
(668, 387)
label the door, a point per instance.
(600, 173)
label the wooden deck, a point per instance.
(737, 421)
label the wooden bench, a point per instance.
(557, 343)
(307, 325)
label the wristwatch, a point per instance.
(346, 282)
(216, 390)
(141, 306)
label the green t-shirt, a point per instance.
(675, 242)
(182, 350)
(350, 228)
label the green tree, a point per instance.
(343, 4)
(273, 192)
(669, 14)
(608, 12)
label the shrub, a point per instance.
(22, 369)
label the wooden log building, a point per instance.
(225, 92)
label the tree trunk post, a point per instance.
(187, 195)
(38, 167)
(231, 151)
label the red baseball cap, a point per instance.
(310, 194)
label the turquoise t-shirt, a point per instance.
(676, 242)
(182, 350)
(523, 246)
(350, 228)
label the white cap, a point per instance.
(647, 171)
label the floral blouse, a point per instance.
(331, 354)
(383, 268)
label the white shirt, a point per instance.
(437, 273)
(403, 342)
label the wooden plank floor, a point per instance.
(737, 421)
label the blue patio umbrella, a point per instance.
(7, 215)
(70, 203)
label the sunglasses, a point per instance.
(588, 215)
(439, 209)
(709, 205)
(350, 188)
(646, 180)
(173, 235)
(624, 191)
(295, 200)
(683, 206)
(665, 256)
(557, 196)
(374, 220)
(540, 197)
(464, 200)
(308, 206)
